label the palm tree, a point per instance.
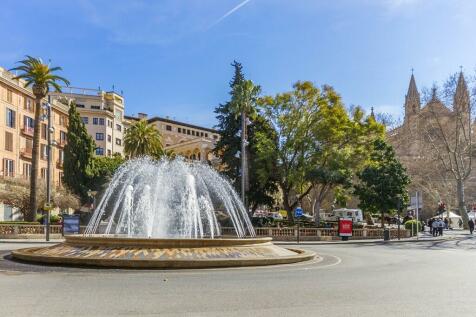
(141, 139)
(41, 77)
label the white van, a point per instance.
(355, 214)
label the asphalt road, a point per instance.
(400, 279)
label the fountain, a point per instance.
(166, 214)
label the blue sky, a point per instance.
(171, 57)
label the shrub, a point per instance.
(18, 223)
(412, 225)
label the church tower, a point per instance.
(412, 100)
(461, 97)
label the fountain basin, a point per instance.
(123, 252)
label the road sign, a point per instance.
(47, 206)
(298, 212)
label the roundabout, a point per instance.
(126, 252)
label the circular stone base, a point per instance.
(163, 253)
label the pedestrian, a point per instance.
(434, 227)
(441, 226)
(430, 223)
(471, 225)
(446, 223)
(460, 223)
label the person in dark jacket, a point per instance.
(471, 225)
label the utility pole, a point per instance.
(48, 170)
(417, 218)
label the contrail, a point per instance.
(229, 13)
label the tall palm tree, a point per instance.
(141, 139)
(42, 78)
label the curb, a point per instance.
(360, 241)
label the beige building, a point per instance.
(187, 140)
(103, 115)
(17, 112)
(413, 141)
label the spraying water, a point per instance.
(168, 199)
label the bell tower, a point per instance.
(412, 100)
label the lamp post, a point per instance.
(50, 130)
(244, 169)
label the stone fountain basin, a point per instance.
(124, 252)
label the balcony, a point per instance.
(28, 131)
(59, 163)
(26, 152)
(61, 143)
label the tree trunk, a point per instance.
(461, 203)
(288, 208)
(35, 162)
(382, 222)
(316, 210)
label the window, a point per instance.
(193, 132)
(8, 167)
(99, 151)
(201, 133)
(44, 172)
(118, 114)
(44, 129)
(206, 135)
(60, 178)
(62, 120)
(108, 152)
(95, 121)
(100, 136)
(44, 151)
(85, 120)
(96, 107)
(215, 136)
(101, 121)
(188, 132)
(118, 127)
(61, 156)
(11, 118)
(179, 130)
(168, 127)
(79, 105)
(26, 170)
(109, 123)
(28, 104)
(118, 141)
(109, 138)
(62, 137)
(9, 96)
(8, 141)
(28, 123)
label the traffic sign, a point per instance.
(298, 212)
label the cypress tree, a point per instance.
(78, 155)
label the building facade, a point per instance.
(183, 139)
(17, 112)
(103, 115)
(419, 139)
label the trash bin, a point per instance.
(386, 234)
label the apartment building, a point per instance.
(17, 112)
(190, 141)
(103, 115)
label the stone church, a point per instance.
(420, 141)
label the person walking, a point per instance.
(430, 223)
(441, 226)
(434, 227)
(446, 223)
(471, 225)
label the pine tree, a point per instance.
(262, 182)
(78, 155)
